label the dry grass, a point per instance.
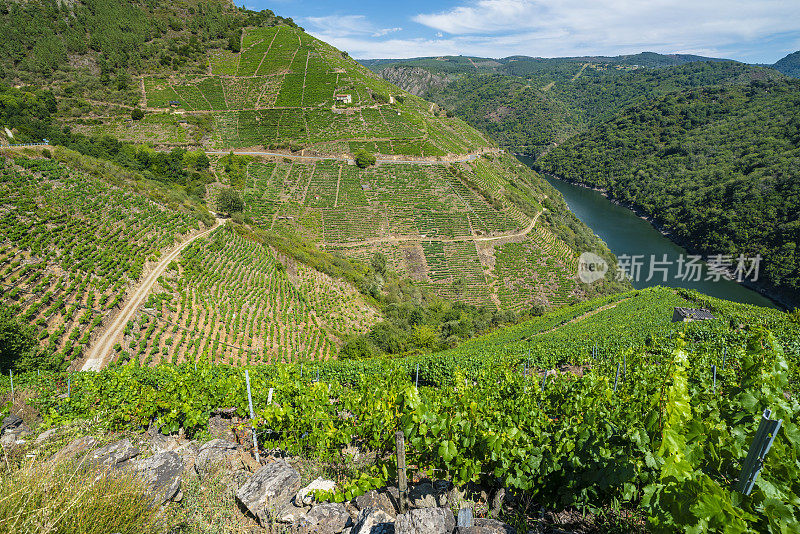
(65, 497)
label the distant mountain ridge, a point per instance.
(789, 65)
(513, 64)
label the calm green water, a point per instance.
(625, 233)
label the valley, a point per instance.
(250, 284)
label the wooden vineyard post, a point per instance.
(402, 482)
(252, 416)
(11, 376)
(416, 380)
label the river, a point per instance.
(625, 233)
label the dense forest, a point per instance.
(789, 65)
(718, 167)
(115, 38)
(549, 105)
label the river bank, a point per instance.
(627, 229)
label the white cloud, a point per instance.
(498, 28)
(573, 27)
(343, 25)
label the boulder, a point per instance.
(113, 455)
(373, 499)
(76, 448)
(423, 496)
(268, 493)
(46, 435)
(305, 497)
(425, 521)
(162, 475)
(373, 521)
(217, 453)
(328, 518)
(12, 423)
(489, 526)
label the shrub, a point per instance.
(229, 201)
(364, 159)
(137, 114)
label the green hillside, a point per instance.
(789, 65)
(541, 103)
(525, 65)
(716, 167)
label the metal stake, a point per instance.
(252, 416)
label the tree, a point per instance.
(17, 340)
(379, 263)
(364, 159)
(229, 201)
(137, 114)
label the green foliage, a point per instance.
(229, 201)
(715, 167)
(137, 114)
(789, 65)
(541, 102)
(28, 111)
(364, 159)
(18, 344)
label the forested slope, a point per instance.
(529, 112)
(717, 167)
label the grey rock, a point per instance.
(76, 448)
(113, 455)
(373, 499)
(217, 453)
(425, 521)
(494, 526)
(373, 521)
(305, 497)
(328, 518)
(268, 493)
(423, 496)
(497, 502)
(9, 441)
(46, 435)
(12, 423)
(457, 498)
(162, 475)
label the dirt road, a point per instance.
(101, 351)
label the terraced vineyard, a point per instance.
(448, 227)
(71, 245)
(279, 90)
(231, 300)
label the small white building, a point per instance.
(344, 99)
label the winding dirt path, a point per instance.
(102, 350)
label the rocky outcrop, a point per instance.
(114, 455)
(328, 518)
(415, 80)
(162, 475)
(425, 521)
(378, 501)
(373, 521)
(217, 454)
(268, 493)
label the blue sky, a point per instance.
(759, 31)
